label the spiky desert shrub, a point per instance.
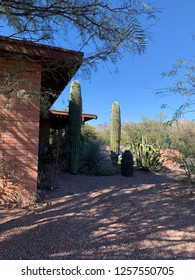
(94, 160)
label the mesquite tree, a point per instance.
(182, 75)
(102, 29)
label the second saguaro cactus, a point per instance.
(115, 132)
(75, 115)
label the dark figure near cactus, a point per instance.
(127, 164)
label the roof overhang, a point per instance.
(58, 65)
(59, 115)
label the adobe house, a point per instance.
(28, 68)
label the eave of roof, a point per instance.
(58, 65)
(35, 50)
(65, 114)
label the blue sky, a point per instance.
(135, 83)
(138, 77)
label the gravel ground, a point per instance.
(148, 216)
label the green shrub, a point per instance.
(148, 158)
(88, 133)
(94, 160)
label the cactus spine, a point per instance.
(75, 115)
(115, 132)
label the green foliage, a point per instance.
(94, 160)
(47, 98)
(104, 135)
(167, 141)
(75, 115)
(183, 137)
(147, 156)
(180, 135)
(115, 132)
(127, 164)
(88, 133)
(183, 75)
(154, 130)
(14, 96)
(109, 27)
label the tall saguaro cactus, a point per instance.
(115, 132)
(75, 115)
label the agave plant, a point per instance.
(148, 158)
(94, 160)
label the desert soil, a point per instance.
(148, 216)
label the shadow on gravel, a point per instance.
(117, 218)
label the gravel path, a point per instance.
(144, 217)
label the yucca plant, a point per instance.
(94, 160)
(148, 158)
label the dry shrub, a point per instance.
(12, 195)
(168, 156)
(7, 170)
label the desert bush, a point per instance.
(188, 164)
(94, 160)
(17, 196)
(88, 133)
(154, 130)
